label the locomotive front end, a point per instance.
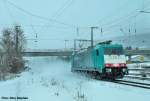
(114, 61)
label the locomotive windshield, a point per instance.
(113, 51)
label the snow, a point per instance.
(139, 68)
(136, 80)
(139, 65)
(50, 79)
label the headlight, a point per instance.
(108, 70)
(124, 69)
(123, 65)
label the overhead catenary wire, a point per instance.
(9, 11)
(34, 31)
(120, 24)
(129, 20)
(62, 8)
(41, 17)
(44, 18)
(60, 11)
(38, 16)
(121, 20)
(115, 23)
(117, 9)
(48, 39)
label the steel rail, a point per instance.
(134, 84)
(136, 77)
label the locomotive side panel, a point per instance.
(83, 61)
(98, 58)
(107, 60)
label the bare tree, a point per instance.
(12, 45)
(7, 45)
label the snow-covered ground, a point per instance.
(50, 79)
(139, 65)
(139, 68)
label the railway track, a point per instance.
(137, 77)
(129, 83)
(132, 83)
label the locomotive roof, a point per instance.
(100, 46)
(108, 45)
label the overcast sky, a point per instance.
(56, 20)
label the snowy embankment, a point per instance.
(50, 79)
(139, 68)
(140, 71)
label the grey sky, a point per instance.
(110, 15)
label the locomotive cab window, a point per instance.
(97, 52)
(115, 51)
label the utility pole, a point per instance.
(66, 43)
(79, 40)
(92, 29)
(17, 39)
(74, 44)
(77, 31)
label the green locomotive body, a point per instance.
(106, 60)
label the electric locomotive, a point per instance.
(106, 60)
